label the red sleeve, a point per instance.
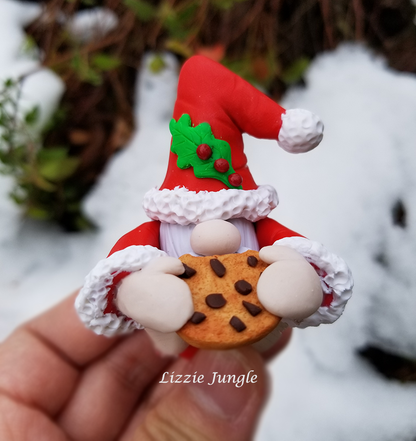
(145, 234)
(268, 231)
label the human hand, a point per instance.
(60, 381)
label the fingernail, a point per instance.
(224, 390)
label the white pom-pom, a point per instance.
(301, 131)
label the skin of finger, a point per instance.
(181, 364)
(159, 391)
(186, 414)
(62, 329)
(154, 393)
(110, 388)
(32, 373)
(19, 422)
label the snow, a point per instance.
(341, 194)
(88, 24)
(42, 87)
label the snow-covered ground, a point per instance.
(341, 194)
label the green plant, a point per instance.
(41, 175)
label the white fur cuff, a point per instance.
(335, 274)
(182, 206)
(92, 299)
(301, 131)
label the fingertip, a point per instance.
(225, 394)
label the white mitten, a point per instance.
(155, 297)
(289, 287)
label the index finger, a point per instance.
(43, 360)
(61, 328)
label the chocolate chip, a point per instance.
(215, 301)
(188, 273)
(237, 324)
(217, 267)
(197, 318)
(251, 308)
(252, 261)
(243, 287)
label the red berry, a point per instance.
(235, 179)
(204, 151)
(221, 165)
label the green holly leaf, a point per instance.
(185, 141)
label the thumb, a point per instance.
(166, 265)
(209, 409)
(276, 253)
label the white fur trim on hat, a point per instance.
(182, 206)
(336, 278)
(301, 131)
(92, 299)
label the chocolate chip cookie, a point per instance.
(228, 313)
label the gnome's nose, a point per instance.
(215, 237)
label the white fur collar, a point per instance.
(183, 207)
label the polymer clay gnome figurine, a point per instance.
(210, 205)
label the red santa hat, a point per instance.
(208, 176)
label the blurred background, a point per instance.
(87, 90)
